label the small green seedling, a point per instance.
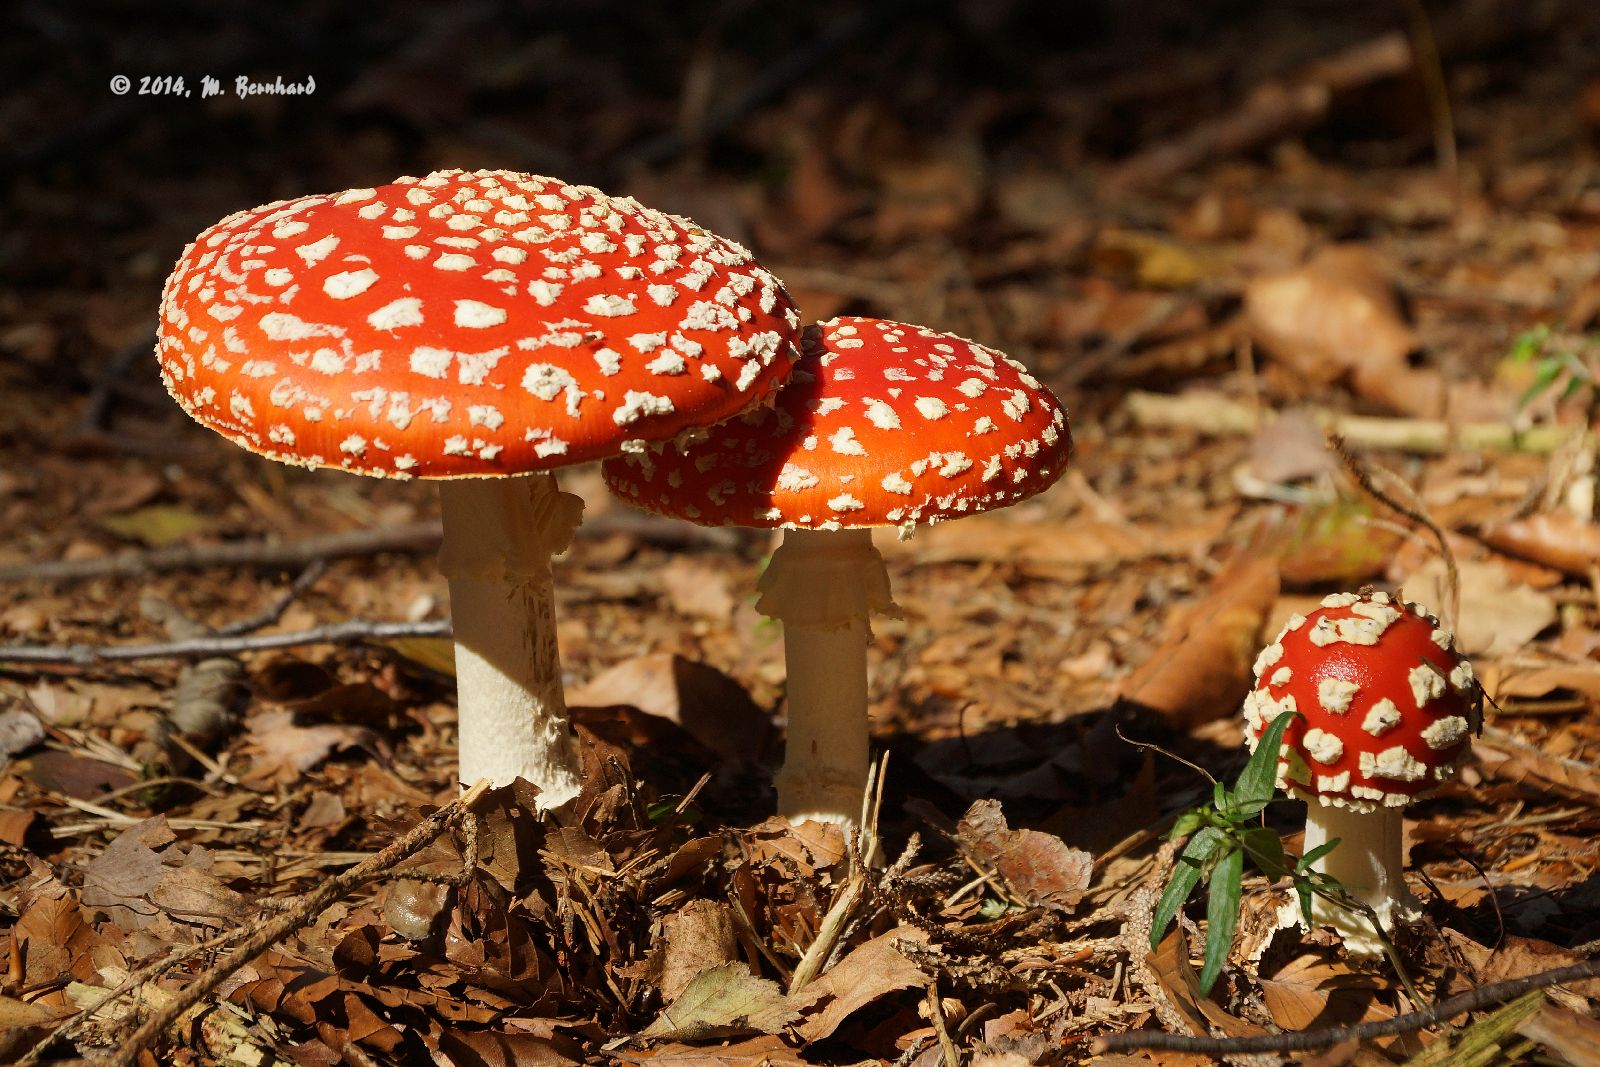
(1221, 837)
(1564, 365)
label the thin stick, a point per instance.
(414, 840)
(206, 647)
(1471, 1000)
(1364, 479)
(414, 537)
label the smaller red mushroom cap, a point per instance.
(881, 424)
(1387, 702)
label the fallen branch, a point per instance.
(220, 645)
(1326, 1037)
(413, 537)
(312, 905)
(1273, 110)
(1210, 412)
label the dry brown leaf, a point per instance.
(1170, 963)
(698, 937)
(1039, 868)
(1201, 669)
(870, 971)
(1310, 992)
(713, 708)
(1338, 316)
(723, 1001)
(1336, 544)
(764, 1051)
(1512, 682)
(1556, 539)
(1499, 614)
(697, 588)
(491, 1048)
(282, 752)
(136, 886)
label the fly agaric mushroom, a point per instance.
(882, 424)
(1385, 705)
(483, 329)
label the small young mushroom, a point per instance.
(1386, 706)
(482, 329)
(882, 424)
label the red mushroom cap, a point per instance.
(882, 424)
(1387, 702)
(466, 324)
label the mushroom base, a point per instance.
(499, 535)
(1368, 862)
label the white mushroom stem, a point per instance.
(499, 535)
(823, 585)
(1368, 862)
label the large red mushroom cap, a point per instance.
(466, 324)
(1387, 702)
(882, 424)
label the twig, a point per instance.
(274, 611)
(947, 1045)
(205, 647)
(414, 840)
(97, 409)
(1364, 479)
(414, 537)
(1471, 1000)
(1210, 411)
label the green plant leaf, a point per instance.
(1187, 823)
(1304, 862)
(1222, 915)
(1265, 849)
(1547, 371)
(1220, 798)
(1529, 342)
(1259, 779)
(1186, 874)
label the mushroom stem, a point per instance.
(823, 585)
(499, 535)
(1368, 863)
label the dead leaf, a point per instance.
(764, 1051)
(870, 972)
(1170, 963)
(1499, 615)
(698, 937)
(1556, 539)
(1201, 669)
(1336, 544)
(1338, 316)
(1309, 991)
(1039, 868)
(698, 588)
(156, 525)
(136, 886)
(724, 1001)
(710, 706)
(282, 752)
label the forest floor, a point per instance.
(1384, 228)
